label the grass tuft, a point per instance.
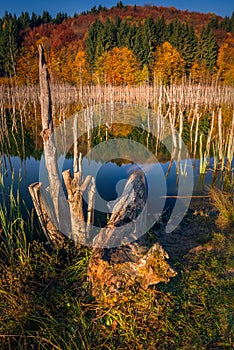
(224, 202)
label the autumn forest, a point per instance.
(123, 45)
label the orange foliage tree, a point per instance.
(62, 63)
(118, 66)
(70, 66)
(168, 64)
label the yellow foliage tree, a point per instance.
(199, 72)
(225, 61)
(168, 64)
(27, 66)
(142, 76)
(56, 65)
(117, 66)
(81, 70)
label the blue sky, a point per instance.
(220, 7)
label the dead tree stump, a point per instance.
(112, 270)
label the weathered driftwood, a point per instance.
(46, 216)
(75, 190)
(122, 226)
(135, 264)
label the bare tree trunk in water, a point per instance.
(57, 207)
(59, 217)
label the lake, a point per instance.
(115, 140)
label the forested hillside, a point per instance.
(120, 45)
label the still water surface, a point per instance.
(110, 178)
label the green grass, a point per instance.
(46, 301)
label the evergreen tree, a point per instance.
(131, 38)
(148, 38)
(160, 30)
(138, 44)
(123, 34)
(60, 17)
(94, 10)
(183, 38)
(228, 24)
(9, 44)
(232, 23)
(225, 24)
(119, 5)
(175, 34)
(35, 20)
(93, 40)
(100, 38)
(188, 45)
(208, 48)
(101, 8)
(109, 37)
(214, 23)
(24, 20)
(169, 30)
(46, 17)
(117, 22)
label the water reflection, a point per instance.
(111, 176)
